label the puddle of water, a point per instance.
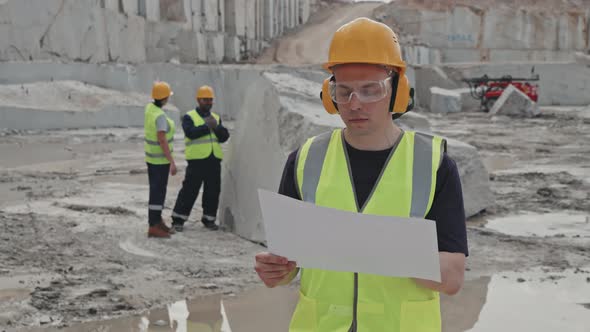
(461, 312)
(550, 224)
(497, 163)
(214, 313)
(33, 153)
(530, 301)
(14, 294)
(534, 301)
(11, 193)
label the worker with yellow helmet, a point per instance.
(204, 134)
(159, 132)
(374, 167)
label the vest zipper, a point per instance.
(353, 326)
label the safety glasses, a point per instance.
(365, 91)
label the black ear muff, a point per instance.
(400, 93)
(327, 101)
(394, 83)
(411, 101)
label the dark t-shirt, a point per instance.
(447, 207)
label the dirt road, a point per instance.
(310, 44)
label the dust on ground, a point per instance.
(539, 165)
(73, 214)
(73, 241)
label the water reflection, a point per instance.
(570, 225)
(538, 300)
(256, 310)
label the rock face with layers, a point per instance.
(132, 31)
(464, 33)
(514, 102)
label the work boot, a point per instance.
(178, 227)
(157, 232)
(210, 225)
(164, 227)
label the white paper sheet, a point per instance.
(330, 239)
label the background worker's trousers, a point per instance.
(207, 171)
(158, 178)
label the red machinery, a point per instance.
(488, 89)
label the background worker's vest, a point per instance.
(153, 151)
(405, 189)
(202, 147)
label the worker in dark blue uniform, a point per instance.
(204, 134)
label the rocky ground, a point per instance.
(538, 166)
(73, 219)
(74, 246)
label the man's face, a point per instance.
(205, 103)
(363, 93)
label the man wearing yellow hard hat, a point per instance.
(204, 134)
(159, 132)
(374, 167)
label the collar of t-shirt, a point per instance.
(365, 167)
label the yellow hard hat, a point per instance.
(205, 92)
(161, 90)
(366, 41)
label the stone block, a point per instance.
(475, 183)
(444, 101)
(427, 77)
(413, 121)
(468, 103)
(514, 102)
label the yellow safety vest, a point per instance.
(332, 301)
(202, 147)
(153, 151)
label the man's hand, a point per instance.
(211, 122)
(274, 270)
(173, 169)
(452, 270)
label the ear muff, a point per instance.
(329, 104)
(400, 96)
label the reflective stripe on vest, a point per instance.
(153, 151)
(202, 140)
(340, 301)
(156, 142)
(202, 147)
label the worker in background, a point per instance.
(159, 132)
(204, 134)
(372, 167)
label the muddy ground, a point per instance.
(73, 244)
(540, 166)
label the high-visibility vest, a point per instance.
(328, 299)
(153, 151)
(203, 146)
